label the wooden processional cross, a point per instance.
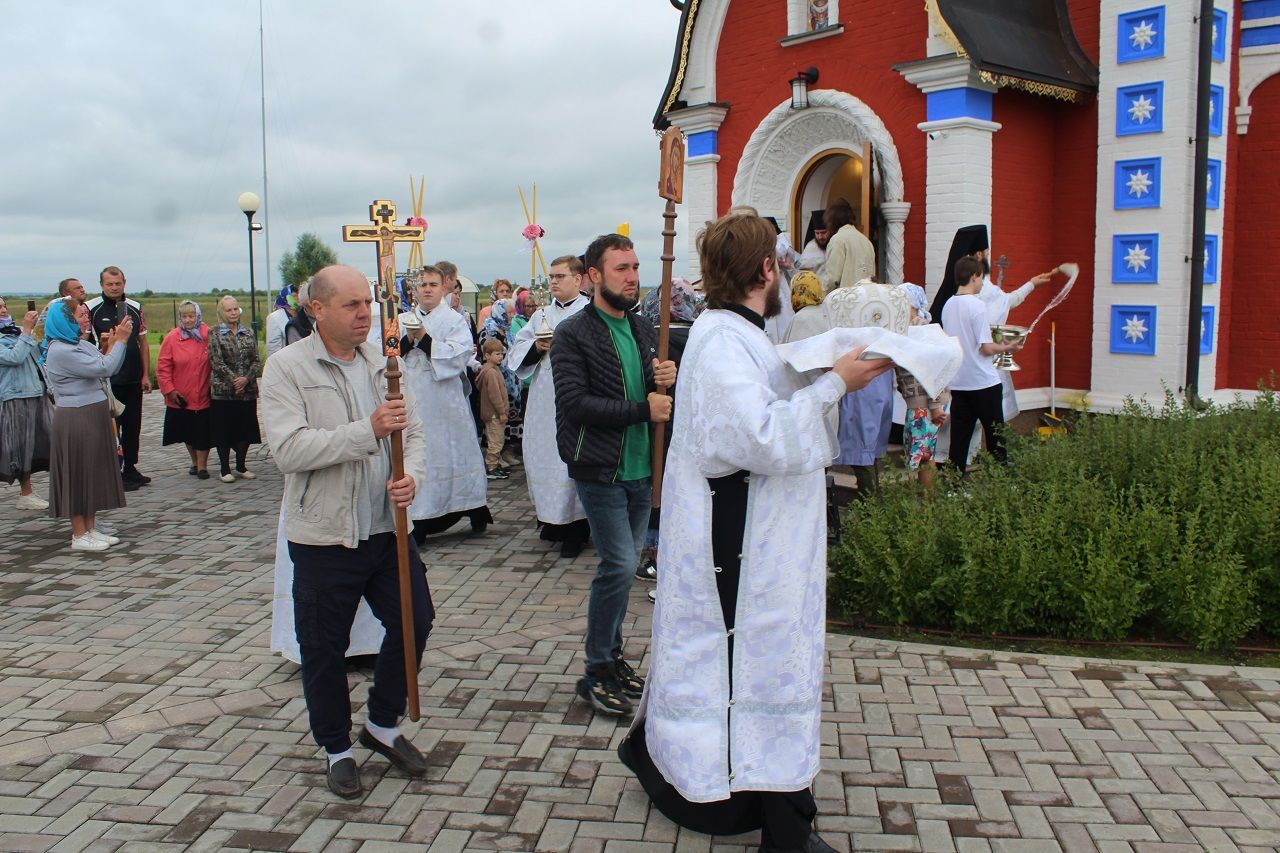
(385, 233)
(671, 188)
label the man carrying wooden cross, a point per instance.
(328, 420)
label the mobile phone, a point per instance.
(182, 402)
(122, 311)
(31, 305)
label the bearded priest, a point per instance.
(726, 739)
(436, 353)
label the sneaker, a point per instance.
(32, 501)
(628, 679)
(101, 525)
(653, 596)
(647, 572)
(246, 475)
(496, 474)
(103, 537)
(604, 694)
(88, 543)
(511, 462)
(227, 478)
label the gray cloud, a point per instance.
(130, 140)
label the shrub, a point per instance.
(1139, 522)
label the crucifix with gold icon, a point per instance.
(385, 233)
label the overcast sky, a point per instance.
(130, 128)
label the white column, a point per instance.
(701, 125)
(895, 219)
(957, 186)
(958, 172)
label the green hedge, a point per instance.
(1136, 524)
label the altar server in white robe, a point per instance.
(435, 357)
(554, 495)
(727, 736)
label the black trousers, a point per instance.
(968, 408)
(130, 422)
(784, 818)
(328, 583)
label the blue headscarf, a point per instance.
(60, 324)
(499, 324)
(282, 301)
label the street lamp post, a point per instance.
(249, 204)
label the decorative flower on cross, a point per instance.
(1141, 109)
(533, 231)
(1135, 329)
(1143, 36)
(417, 221)
(1139, 183)
(1136, 259)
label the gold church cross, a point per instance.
(386, 234)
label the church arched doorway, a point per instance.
(830, 175)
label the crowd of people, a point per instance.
(72, 379)
(725, 731)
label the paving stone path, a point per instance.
(141, 709)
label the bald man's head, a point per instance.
(340, 301)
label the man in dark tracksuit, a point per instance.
(133, 379)
(606, 376)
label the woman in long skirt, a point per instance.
(84, 467)
(25, 410)
(182, 371)
(233, 409)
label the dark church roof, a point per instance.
(1026, 44)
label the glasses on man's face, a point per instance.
(556, 276)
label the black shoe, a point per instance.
(570, 548)
(479, 526)
(812, 844)
(628, 679)
(604, 694)
(131, 485)
(403, 755)
(202, 475)
(495, 474)
(647, 572)
(344, 779)
(137, 476)
(193, 470)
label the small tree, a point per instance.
(310, 256)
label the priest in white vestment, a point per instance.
(555, 497)
(727, 736)
(435, 356)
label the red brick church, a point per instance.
(1066, 126)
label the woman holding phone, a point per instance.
(25, 411)
(84, 468)
(183, 371)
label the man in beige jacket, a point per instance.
(850, 255)
(327, 421)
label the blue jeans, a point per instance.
(619, 516)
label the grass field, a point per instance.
(161, 314)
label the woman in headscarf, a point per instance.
(183, 373)
(25, 412)
(526, 304)
(501, 290)
(84, 462)
(282, 312)
(233, 386)
(806, 301)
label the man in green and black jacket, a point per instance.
(606, 375)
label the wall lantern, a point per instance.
(800, 87)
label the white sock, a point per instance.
(385, 736)
(335, 757)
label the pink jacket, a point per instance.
(183, 366)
